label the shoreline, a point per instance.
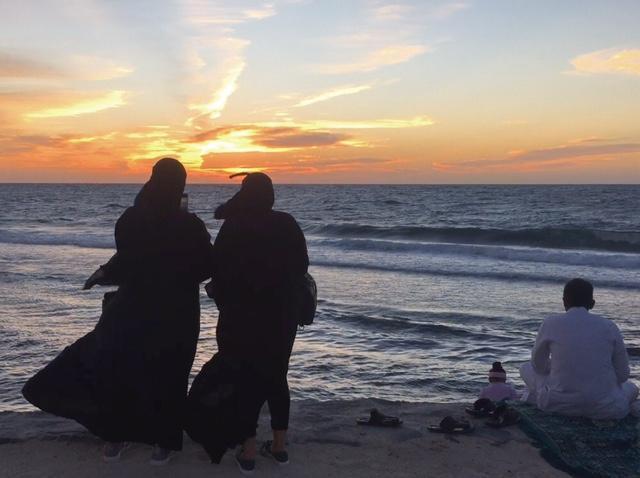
(324, 441)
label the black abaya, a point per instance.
(127, 379)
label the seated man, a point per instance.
(579, 364)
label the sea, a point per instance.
(420, 287)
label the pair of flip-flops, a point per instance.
(379, 419)
(447, 425)
(452, 425)
(499, 415)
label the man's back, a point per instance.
(586, 362)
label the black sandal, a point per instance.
(503, 416)
(451, 425)
(378, 419)
(482, 408)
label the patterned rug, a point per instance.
(583, 447)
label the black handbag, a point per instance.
(305, 300)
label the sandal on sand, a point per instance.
(451, 425)
(481, 408)
(503, 416)
(378, 419)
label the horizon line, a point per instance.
(32, 183)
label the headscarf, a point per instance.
(255, 197)
(162, 193)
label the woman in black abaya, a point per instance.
(126, 380)
(259, 257)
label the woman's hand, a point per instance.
(94, 279)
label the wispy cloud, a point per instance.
(386, 56)
(215, 57)
(585, 149)
(234, 67)
(18, 66)
(102, 102)
(416, 122)
(288, 163)
(72, 67)
(393, 11)
(332, 93)
(95, 68)
(609, 61)
(206, 12)
(258, 138)
(446, 10)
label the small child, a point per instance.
(499, 389)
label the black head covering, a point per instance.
(256, 196)
(162, 193)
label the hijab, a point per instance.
(255, 197)
(160, 196)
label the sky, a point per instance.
(321, 91)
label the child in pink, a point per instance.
(498, 389)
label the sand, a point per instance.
(324, 442)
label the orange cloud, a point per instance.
(574, 152)
(289, 162)
(113, 99)
(255, 138)
(609, 61)
(416, 122)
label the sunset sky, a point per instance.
(324, 91)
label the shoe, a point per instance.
(160, 456)
(113, 450)
(281, 457)
(245, 466)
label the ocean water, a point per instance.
(421, 288)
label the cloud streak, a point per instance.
(415, 122)
(382, 57)
(287, 163)
(573, 151)
(609, 61)
(103, 102)
(256, 138)
(333, 93)
(73, 67)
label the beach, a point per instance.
(420, 289)
(324, 441)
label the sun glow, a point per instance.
(419, 93)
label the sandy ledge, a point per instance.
(324, 442)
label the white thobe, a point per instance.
(579, 366)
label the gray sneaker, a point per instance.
(113, 450)
(160, 456)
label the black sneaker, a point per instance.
(113, 450)
(245, 466)
(281, 457)
(160, 456)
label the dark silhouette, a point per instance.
(127, 379)
(260, 257)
